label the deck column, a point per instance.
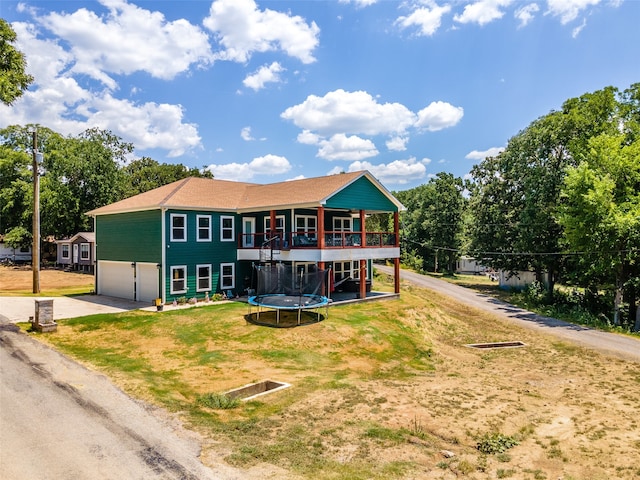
(321, 227)
(363, 230)
(396, 261)
(363, 279)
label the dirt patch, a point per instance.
(20, 280)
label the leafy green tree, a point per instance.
(81, 174)
(515, 195)
(13, 79)
(16, 191)
(600, 213)
(432, 224)
(146, 174)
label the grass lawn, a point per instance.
(380, 390)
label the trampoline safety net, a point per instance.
(283, 279)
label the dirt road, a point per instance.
(620, 346)
(59, 420)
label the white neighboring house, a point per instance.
(469, 265)
(14, 255)
(78, 252)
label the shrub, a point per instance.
(492, 443)
(217, 401)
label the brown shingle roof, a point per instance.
(212, 194)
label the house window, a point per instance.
(204, 277)
(343, 270)
(84, 251)
(279, 225)
(178, 228)
(179, 279)
(342, 224)
(306, 224)
(227, 275)
(226, 229)
(204, 228)
(66, 251)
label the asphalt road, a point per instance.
(620, 346)
(60, 421)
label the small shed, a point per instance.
(77, 253)
(516, 280)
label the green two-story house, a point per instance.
(196, 237)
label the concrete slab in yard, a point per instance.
(19, 309)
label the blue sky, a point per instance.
(266, 91)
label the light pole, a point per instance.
(35, 255)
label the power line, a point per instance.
(524, 254)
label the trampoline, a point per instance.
(282, 289)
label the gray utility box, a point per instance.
(43, 321)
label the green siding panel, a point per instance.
(192, 253)
(130, 237)
(361, 195)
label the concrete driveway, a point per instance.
(19, 309)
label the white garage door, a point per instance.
(147, 282)
(115, 279)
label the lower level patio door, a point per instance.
(248, 232)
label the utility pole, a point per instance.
(35, 250)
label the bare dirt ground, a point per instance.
(20, 279)
(573, 411)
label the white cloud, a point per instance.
(308, 138)
(58, 101)
(349, 112)
(265, 74)
(427, 19)
(525, 14)
(245, 133)
(576, 31)
(342, 147)
(126, 40)
(568, 10)
(439, 115)
(397, 172)
(242, 29)
(243, 172)
(328, 121)
(359, 3)
(397, 144)
(482, 11)
(478, 155)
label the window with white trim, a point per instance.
(346, 269)
(227, 275)
(279, 225)
(178, 279)
(204, 228)
(178, 227)
(203, 273)
(84, 251)
(226, 229)
(342, 224)
(307, 224)
(66, 249)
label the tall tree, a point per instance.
(13, 79)
(81, 173)
(515, 195)
(146, 174)
(600, 213)
(432, 225)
